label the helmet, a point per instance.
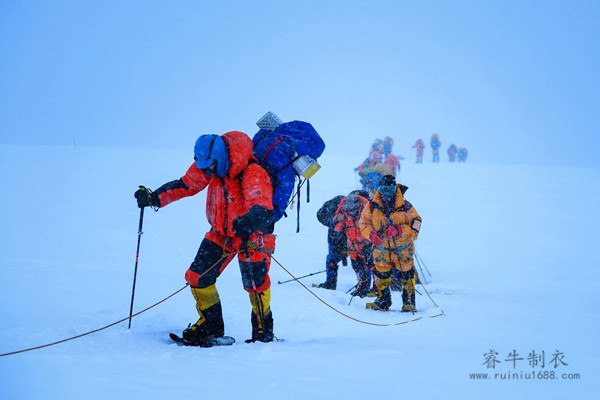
(210, 152)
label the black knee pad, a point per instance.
(209, 256)
(253, 272)
(382, 275)
(407, 274)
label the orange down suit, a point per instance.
(394, 252)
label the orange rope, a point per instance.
(225, 255)
(356, 319)
(95, 330)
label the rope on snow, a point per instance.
(356, 319)
(186, 285)
(225, 254)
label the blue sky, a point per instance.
(513, 81)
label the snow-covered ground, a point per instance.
(512, 250)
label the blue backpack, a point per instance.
(287, 151)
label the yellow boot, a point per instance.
(261, 318)
(384, 295)
(210, 324)
(408, 293)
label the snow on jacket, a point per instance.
(245, 185)
(336, 241)
(327, 211)
(403, 215)
(349, 224)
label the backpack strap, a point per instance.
(275, 143)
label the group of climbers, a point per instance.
(381, 161)
(459, 154)
(379, 232)
(247, 194)
(454, 152)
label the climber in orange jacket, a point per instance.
(391, 224)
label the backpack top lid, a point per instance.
(269, 121)
(304, 138)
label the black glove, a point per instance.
(243, 227)
(146, 198)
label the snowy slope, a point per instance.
(512, 250)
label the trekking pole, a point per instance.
(421, 269)
(426, 269)
(259, 306)
(353, 287)
(300, 277)
(353, 294)
(351, 298)
(137, 256)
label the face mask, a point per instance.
(353, 211)
(351, 205)
(387, 192)
(211, 169)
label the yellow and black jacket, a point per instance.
(375, 218)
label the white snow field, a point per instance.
(512, 251)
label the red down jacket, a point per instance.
(246, 184)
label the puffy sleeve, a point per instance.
(190, 184)
(366, 221)
(410, 230)
(258, 195)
